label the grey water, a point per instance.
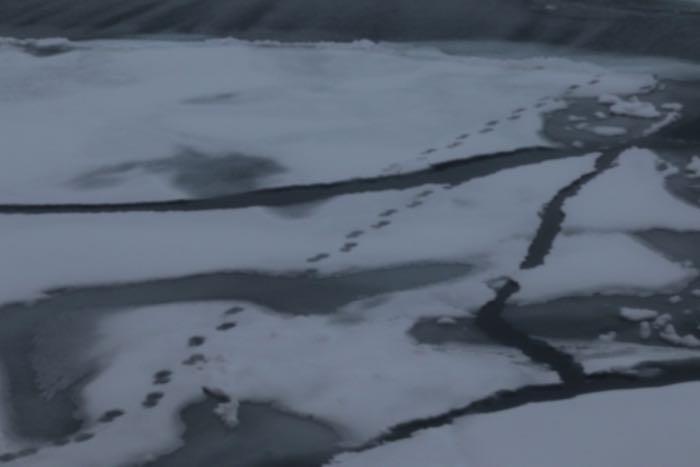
(43, 343)
(265, 436)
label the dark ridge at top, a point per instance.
(661, 27)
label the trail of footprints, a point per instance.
(383, 220)
(488, 127)
(515, 115)
(151, 399)
(164, 377)
(385, 216)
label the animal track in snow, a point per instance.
(348, 247)
(380, 225)
(355, 234)
(152, 399)
(194, 359)
(110, 415)
(318, 257)
(162, 377)
(196, 341)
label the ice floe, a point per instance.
(630, 197)
(631, 107)
(588, 430)
(638, 314)
(591, 263)
(128, 110)
(486, 221)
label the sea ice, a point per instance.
(611, 429)
(638, 314)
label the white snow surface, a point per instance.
(323, 112)
(358, 370)
(640, 428)
(583, 264)
(630, 197)
(670, 335)
(486, 222)
(631, 107)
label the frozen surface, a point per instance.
(631, 197)
(638, 314)
(671, 335)
(601, 356)
(641, 428)
(631, 107)
(486, 221)
(358, 371)
(604, 263)
(113, 120)
(135, 121)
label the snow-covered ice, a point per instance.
(129, 110)
(631, 107)
(358, 371)
(670, 335)
(599, 356)
(115, 121)
(630, 197)
(640, 428)
(486, 221)
(603, 263)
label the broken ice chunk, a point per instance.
(608, 337)
(693, 167)
(662, 320)
(629, 108)
(672, 106)
(644, 330)
(670, 335)
(638, 314)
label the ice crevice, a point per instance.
(575, 381)
(452, 172)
